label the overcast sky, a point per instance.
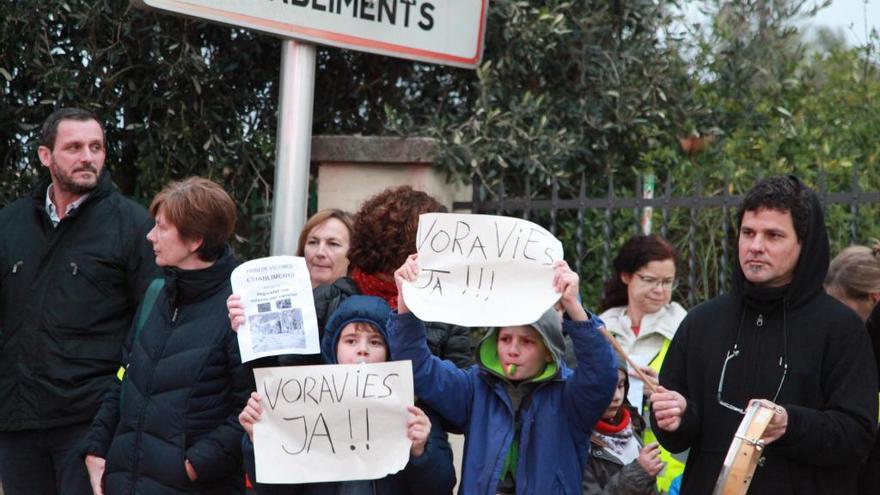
(850, 16)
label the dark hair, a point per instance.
(199, 209)
(317, 219)
(384, 232)
(633, 255)
(783, 193)
(50, 126)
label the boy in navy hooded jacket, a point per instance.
(356, 333)
(527, 418)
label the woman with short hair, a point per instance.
(170, 424)
(324, 242)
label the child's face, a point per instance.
(360, 343)
(522, 346)
(617, 400)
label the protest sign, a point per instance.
(482, 270)
(278, 307)
(332, 422)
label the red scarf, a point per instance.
(609, 429)
(371, 285)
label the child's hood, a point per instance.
(367, 309)
(548, 326)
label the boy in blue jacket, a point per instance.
(527, 418)
(356, 333)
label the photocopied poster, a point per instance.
(278, 307)
(482, 270)
(332, 422)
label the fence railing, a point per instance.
(578, 207)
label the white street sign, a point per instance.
(448, 32)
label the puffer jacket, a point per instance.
(432, 473)
(446, 341)
(605, 474)
(556, 418)
(67, 297)
(180, 395)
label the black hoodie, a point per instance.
(829, 391)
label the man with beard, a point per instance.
(779, 338)
(74, 264)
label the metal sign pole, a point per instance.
(296, 100)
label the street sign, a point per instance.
(448, 32)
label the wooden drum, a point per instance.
(745, 451)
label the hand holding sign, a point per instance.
(566, 283)
(480, 270)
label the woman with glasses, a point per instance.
(638, 311)
(854, 279)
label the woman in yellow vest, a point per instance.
(638, 311)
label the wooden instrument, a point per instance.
(745, 451)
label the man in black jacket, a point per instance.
(776, 337)
(74, 263)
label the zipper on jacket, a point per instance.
(760, 321)
(73, 268)
(16, 266)
(174, 316)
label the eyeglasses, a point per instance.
(733, 354)
(663, 283)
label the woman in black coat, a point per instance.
(170, 425)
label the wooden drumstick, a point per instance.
(641, 374)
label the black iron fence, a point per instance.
(701, 225)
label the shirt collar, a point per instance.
(52, 211)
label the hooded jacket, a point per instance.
(432, 473)
(447, 341)
(180, 395)
(556, 418)
(656, 328)
(829, 388)
(67, 297)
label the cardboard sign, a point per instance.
(482, 270)
(332, 422)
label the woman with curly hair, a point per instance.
(383, 234)
(638, 311)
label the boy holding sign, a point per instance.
(356, 333)
(527, 418)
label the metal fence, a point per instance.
(550, 209)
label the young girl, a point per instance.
(618, 464)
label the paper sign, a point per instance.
(482, 270)
(278, 307)
(332, 422)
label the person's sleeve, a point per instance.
(457, 346)
(100, 434)
(141, 266)
(589, 390)
(673, 376)
(630, 480)
(842, 432)
(438, 383)
(432, 473)
(219, 453)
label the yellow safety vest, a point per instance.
(673, 467)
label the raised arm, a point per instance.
(589, 391)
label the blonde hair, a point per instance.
(319, 218)
(855, 271)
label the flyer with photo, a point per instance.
(278, 306)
